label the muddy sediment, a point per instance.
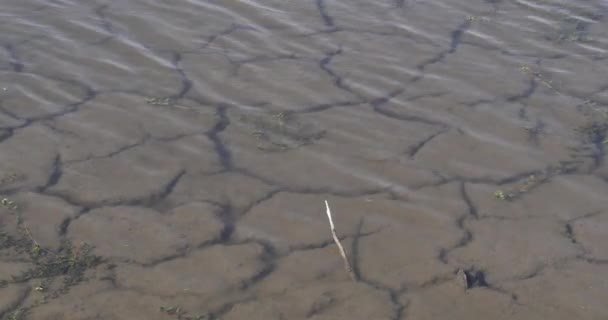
(171, 161)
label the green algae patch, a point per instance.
(70, 263)
(180, 314)
(160, 101)
(51, 272)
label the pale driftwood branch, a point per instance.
(347, 265)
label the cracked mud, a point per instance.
(171, 160)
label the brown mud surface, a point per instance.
(170, 160)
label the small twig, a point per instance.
(36, 244)
(347, 265)
(27, 232)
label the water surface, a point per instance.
(170, 159)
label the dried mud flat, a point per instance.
(171, 161)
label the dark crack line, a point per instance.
(227, 216)
(339, 193)
(338, 80)
(475, 278)
(571, 235)
(168, 188)
(457, 34)
(456, 39)
(222, 151)
(472, 209)
(460, 223)
(146, 201)
(14, 61)
(89, 94)
(598, 139)
(355, 250)
(313, 191)
(393, 294)
(246, 172)
(327, 106)
(378, 103)
(475, 103)
(233, 28)
(258, 201)
(53, 179)
(398, 307)
(105, 24)
(527, 93)
(219, 313)
(397, 33)
(63, 227)
(322, 303)
(328, 20)
(257, 59)
(238, 64)
(410, 118)
(186, 250)
(415, 149)
(9, 309)
(535, 131)
(326, 243)
(599, 262)
(5, 134)
(186, 83)
(51, 125)
(535, 272)
(463, 242)
(181, 253)
(272, 256)
(112, 154)
(518, 177)
(260, 276)
(10, 114)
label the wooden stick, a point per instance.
(347, 266)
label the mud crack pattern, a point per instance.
(174, 165)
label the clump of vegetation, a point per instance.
(11, 178)
(181, 314)
(68, 264)
(279, 131)
(501, 195)
(573, 29)
(160, 101)
(595, 133)
(528, 184)
(538, 76)
(9, 204)
(533, 181)
(16, 315)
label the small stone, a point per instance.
(462, 279)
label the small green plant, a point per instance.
(181, 314)
(70, 263)
(160, 101)
(35, 251)
(9, 204)
(500, 195)
(15, 315)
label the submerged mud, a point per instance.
(164, 160)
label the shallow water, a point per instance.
(170, 160)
